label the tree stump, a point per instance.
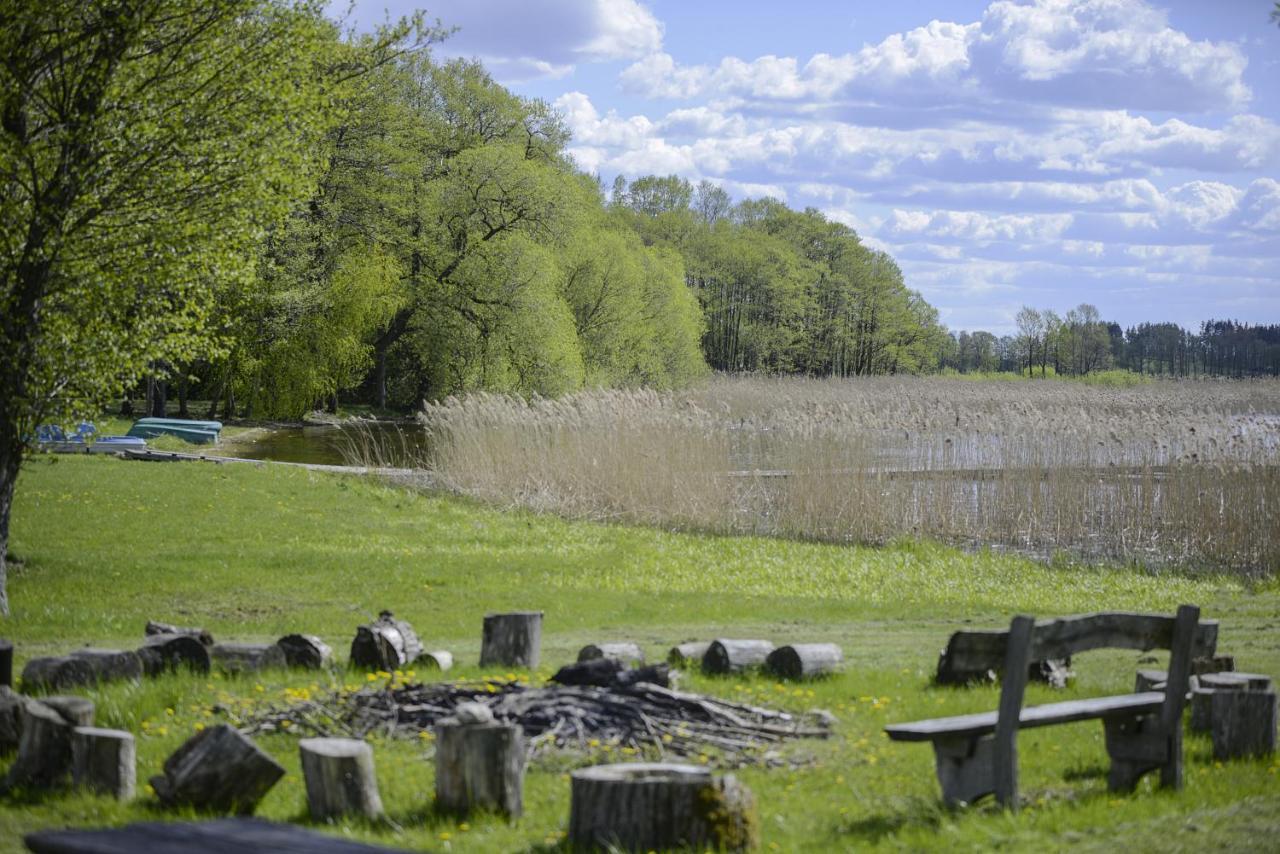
(157, 628)
(238, 658)
(735, 656)
(804, 660)
(479, 762)
(44, 750)
(687, 654)
(11, 703)
(104, 761)
(166, 653)
(512, 640)
(1202, 719)
(439, 659)
(218, 769)
(655, 806)
(385, 644)
(626, 652)
(307, 652)
(6, 663)
(75, 710)
(339, 777)
(1244, 724)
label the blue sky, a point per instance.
(1042, 152)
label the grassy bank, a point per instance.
(253, 553)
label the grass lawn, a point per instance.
(253, 553)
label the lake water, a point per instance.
(395, 444)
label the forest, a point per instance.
(448, 244)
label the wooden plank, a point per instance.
(1008, 719)
(1030, 717)
(979, 650)
(243, 835)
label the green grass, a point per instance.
(253, 553)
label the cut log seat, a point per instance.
(242, 835)
(984, 723)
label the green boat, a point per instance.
(195, 432)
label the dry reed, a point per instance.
(1183, 474)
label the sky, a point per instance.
(1124, 153)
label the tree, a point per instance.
(144, 147)
(1030, 327)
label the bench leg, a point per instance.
(1140, 745)
(966, 768)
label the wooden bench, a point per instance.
(977, 755)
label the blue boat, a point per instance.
(196, 432)
(52, 438)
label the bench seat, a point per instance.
(984, 723)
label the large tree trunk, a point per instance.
(10, 459)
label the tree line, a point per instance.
(1081, 343)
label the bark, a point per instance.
(10, 459)
(479, 765)
(340, 778)
(512, 640)
(104, 761)
(735, 656)
(219, 770)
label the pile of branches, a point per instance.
(651, 719)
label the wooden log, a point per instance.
(339, 777)
(166, 653)
(688, 654)
(6, 663)
(44, 751)
(307, 652)
(626, 652)
(512, 640)
(480, 762)
(1244, 724)
(1213, 664)
(804, 660)
(439, 659)
(735, 656)
(238, 658)
(218, 769)
(56, 672)
(157, 628)
(11, 704)
(385, 644)
(219, 836)
(104, 761)
(653, 806)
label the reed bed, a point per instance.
(1179, 474)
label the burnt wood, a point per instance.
(6, 663)
(624, 651)
(241, 835)
(10, 719)
(611, 673)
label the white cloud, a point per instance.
(1095, 53)
(547, 38)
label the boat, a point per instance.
(196, 432)
(53, 439)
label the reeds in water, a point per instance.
(1183, 474)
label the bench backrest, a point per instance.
(1027, 642)
(975, 651)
